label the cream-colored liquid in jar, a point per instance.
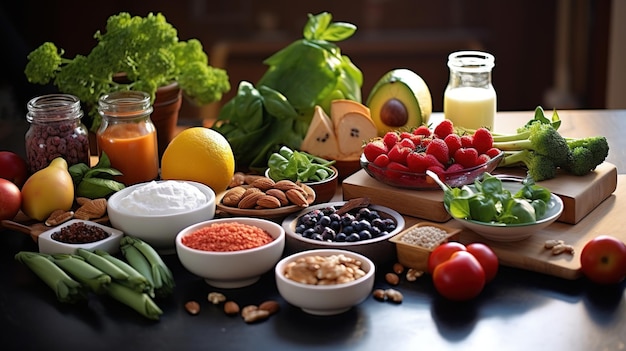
(470, 107)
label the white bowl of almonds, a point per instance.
(415, 243)
(325, 281)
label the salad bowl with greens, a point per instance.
(502, 210)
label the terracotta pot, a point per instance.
(165, 115)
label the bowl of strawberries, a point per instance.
(401, 158)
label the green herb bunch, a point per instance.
(146, 49)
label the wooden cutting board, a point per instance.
(529, 254)
(580, 195)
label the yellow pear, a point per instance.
(47, 190)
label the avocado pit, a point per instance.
(394, 113)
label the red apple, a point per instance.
(603, 260)
(13, 168)
(10, 199)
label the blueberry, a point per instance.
(307, 233)
(328, 234)
(341, 237)
(353, 237)
(324, 220)
(365, 234)
(348, 229)
(317, 236)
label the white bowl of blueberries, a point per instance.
(365, 229)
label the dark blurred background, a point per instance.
(553, 53)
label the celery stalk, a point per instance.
(140, 302)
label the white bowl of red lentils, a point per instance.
(325, 281)
(231, 252)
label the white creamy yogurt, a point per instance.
(166, 197)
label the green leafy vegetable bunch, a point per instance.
(277, 112)
(298, 166)
(490, 202)
(146, 49)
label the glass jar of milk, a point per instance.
(469, 100)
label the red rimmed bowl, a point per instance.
(411, 180)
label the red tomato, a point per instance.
(10, 199)
(603, 260)
(459, 278)
(486, 257)
(442, 253)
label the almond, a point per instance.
(263, 183)
(249, 201)
(270, 306)
(96, 208)
(280, 195)
(250, 178)
(285, 185)
(239, 178)
(233, 196)
(58, 217)
(296, 197)
(251, 190)
(268, 201)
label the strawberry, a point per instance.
(394, 170)
(405, 135)
(390, 139)
(439, 171)
(455, 167)
(444, 128)
(398, 153)
(374, 148)
(483, 140)
(454, 143)
(493, 152)
(482, 159)
(382, 160)
(466, 156)
(422, 130)
(407, 142)
(439, 149)
(467, 141)
(416, 161)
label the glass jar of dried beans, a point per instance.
(55, 131)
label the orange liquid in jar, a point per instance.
(132, 149)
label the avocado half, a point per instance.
(399, 100)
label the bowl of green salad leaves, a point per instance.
(298, 166)
(502, 210)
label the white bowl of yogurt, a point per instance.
(156, 211)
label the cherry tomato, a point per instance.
(459, 278)
(442, 253)
(486, 257)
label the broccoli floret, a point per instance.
(586, 154)
(541, 138)
(539, 166)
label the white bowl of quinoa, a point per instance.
(231, 252)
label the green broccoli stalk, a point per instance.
(146, 49)
(539, 166)
(586, 154)
(541, 138)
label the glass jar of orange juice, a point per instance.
(470, 98)
(128, 136)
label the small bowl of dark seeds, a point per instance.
(76, 233)
(359, 227)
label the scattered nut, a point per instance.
(412, 274)
(233, 196)
(379, 294)
(549, 244)
(58, 217)
(398, 268)
(392, 278)
(252, 314)
(393, 295)
(297, 197)
(91, 209)
(231, 308)
(192, 307)
(270, 306)
(216, 298)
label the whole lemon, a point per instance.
(201, 155)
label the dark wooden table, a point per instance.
(519, 310)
